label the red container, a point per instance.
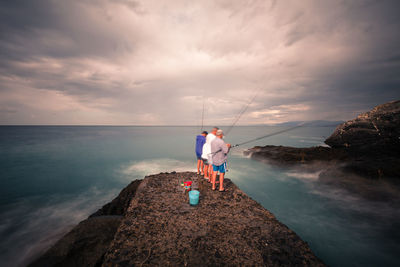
(187, 185)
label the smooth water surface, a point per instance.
(52, 177)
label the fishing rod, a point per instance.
(269, 135)
(242, 111)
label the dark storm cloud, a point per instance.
(153, 62)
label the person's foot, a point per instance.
(222, 190)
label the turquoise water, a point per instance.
(52, 177)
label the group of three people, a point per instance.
(211, 152)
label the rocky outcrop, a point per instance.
(160, 228)
(228, 228)
(368, 146)
(293, 155)
(375, 132)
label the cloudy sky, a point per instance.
(122, 62)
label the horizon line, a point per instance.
(169, 125)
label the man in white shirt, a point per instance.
(207, 156)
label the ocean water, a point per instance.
(52, 177)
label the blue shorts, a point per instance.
(220, 168)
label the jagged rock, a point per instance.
(375, 132)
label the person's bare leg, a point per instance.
(206, 171)
(202, 167)
(221, 181)
(214, 177)
(198, 166)
(210, 171)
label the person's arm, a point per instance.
(224, 148)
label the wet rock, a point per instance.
(293, 155)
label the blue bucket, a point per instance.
(194, 197)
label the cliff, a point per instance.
(368, 146)
(159, 227)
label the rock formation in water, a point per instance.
(368, 145)
(375, 132)
(160, 228)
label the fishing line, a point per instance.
(202, 115)
(269, 135)
(242, 111)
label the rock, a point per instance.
(160, 228)
(85, 245)
(294, 155)
(121, 203)
(368, 146)
(375, 132)
(87, 242)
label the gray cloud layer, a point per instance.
(153, 62)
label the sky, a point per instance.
(122, 62)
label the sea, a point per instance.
(53, 177)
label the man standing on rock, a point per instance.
(207, 156)
(219, 151)
(200, 141)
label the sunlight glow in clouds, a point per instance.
(153, 62)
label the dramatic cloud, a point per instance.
(156, 62)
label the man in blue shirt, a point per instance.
(200, 140)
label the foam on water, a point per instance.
(141, 168)
(304, 175)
